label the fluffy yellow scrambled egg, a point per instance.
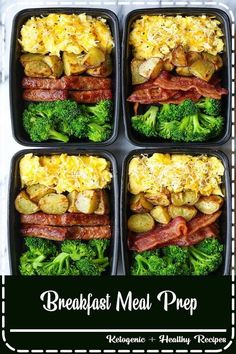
(65, 173)
(176, 172)
(157, 36)
(69, 33)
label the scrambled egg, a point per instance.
(65, 173)
(69, 33)
(175, 173)
(157, 36)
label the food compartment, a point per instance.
(72, 215)
(159, 111)
(177, 218)
(72, 89)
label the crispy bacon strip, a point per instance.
(196, 237)
(180, 96)
(200, 221)
(67, 219)
(158, 236)
(170, 82)
(151, 96)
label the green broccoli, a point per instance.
(166, 129)
(38, 123)
(101, 113)
(169, 112)
(215, 124)
(146, 124)
(87, 267)
(210, 106)
(99, 246)
(178, 255)
(206, 257)
(77, 249)
(60, 265)
(98, 133)
(38, 251)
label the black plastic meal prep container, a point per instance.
(15, 239)
(225, 220)
(16, 71)
(127, 87)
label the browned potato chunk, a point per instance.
(94, 58)
(54, 203)
(72, 197)
(24, 205)
(138, 204)
(184, 198)
(167, 64)
(103, 204)
(136, 77)
(192, 57)
(37, 191)
(151, 68)
(179, 56)
(87, 201)
(209, 205)
(141, 222)
(73, 64)
(183, 71)
(104, 70)
(187, 212)
(157, 198)
(160, 214)
(214, 59)
(37, 65)
(202, 69)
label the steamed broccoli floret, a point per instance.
(77, 249)
(210, 106)
(79, 126)
(100, 246)
(177, 254)
(169, 112)
(60, 265)
(101, 113)
(146, 124)
(38, 251)
(215, 124)
(98, 133)
(206, 257)
(167, 129)
(40, 126)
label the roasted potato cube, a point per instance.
(37, 191)
(72, 197)
(214, 59)
(151, 68)
(187, 212)
(94, 58)
(73, 64)
(184, 198)
(138, 204)
(203, 69)
(24, 205)
(158, 198)
(209, 205)
(37, 65)
(53, 203)
(104, 70)
(141, 223)
(183, 71)
(160, 214)
(167, 65)
(103, 204)
(136, 77)
(87, 201)
(192, 57)
(179, 56)
(55, 64)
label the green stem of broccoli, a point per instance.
(58, 136)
